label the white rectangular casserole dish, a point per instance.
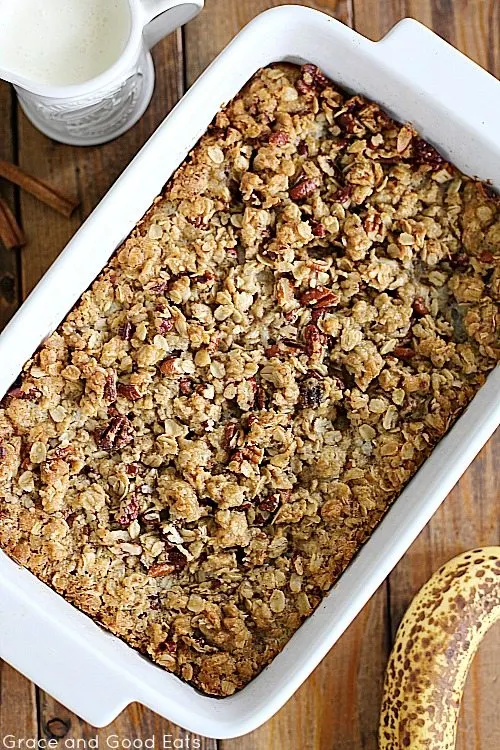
(454, 104)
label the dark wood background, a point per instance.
(337, 708)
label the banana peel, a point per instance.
(434, 647)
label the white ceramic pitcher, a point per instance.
(106, 106)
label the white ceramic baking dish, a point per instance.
(456, 105)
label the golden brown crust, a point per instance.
(197, 453)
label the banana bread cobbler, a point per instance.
(198, 451)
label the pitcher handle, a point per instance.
(161, 17)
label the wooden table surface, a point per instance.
(337, 708)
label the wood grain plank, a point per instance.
(9, 292)
(136, 723)
(473, 26)
(18, 714)
(374, 20)
(209, 33)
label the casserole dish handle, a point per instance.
(410, 48)
(89, 684)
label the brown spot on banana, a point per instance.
(434, 647)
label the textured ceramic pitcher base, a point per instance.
(99, 118)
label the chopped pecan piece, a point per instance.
(117, 434)
(129, 511)
(62, 451)
(351, 124)
(343, 195)
(419, 307)
(198, 222)
(169, 366)
(31, 395)
(317, 313)
(129, 391)
(314, 339)
(282, 347)
(230, 438)
(249, 452)
(320, 296)
(404, 352)
(160, 287)
(126, 331)
(175, 561)
(165, 325)
(260, 395)
(214, 343)
(303, 189)
(260, 398)
(109, 392)
(424, 153)
(373, 224)
(132, 469)
(279, 138)
(273, 351)
(318, 229)
(312, 73)
(303, 87)
(186, 387)
(270, 504)
(203, 278)
(160, 569)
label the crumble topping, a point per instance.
(198, 451)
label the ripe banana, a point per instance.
(434, 647)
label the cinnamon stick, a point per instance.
(11, 233)
(38, 188)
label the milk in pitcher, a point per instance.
(62, 42)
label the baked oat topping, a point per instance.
(196, 454)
